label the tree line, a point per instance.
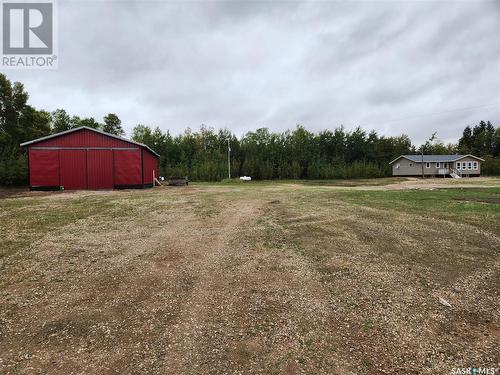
(297, 154)
(262, 154)
(202, 155)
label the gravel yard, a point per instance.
(257, 278)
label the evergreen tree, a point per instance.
(113, 125)
(465, 143)
(496, 143)
(61, 121)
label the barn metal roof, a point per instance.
(88, 128)
(435, 158)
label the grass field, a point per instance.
(291, 277)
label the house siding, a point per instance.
(468, 171)
(406, 168)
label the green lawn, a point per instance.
(479, 207)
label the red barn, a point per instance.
(86, 158)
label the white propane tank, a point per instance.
(246, 178)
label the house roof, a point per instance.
(87, 128)
(435, 158)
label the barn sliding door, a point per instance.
(44, 168)
(127, 168)
(73, 169)
(100, 169)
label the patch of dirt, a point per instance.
(16, 192)
(480, 200)
(413, 183)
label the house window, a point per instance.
(469, 165)
(438, 165)
(458, 164)
(476, 165)
(397, 166)
(411, 164)
(446, 165)
(464, 165)
(427, 165)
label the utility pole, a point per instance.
(422, 162)
(229, 158)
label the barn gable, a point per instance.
(85, 137)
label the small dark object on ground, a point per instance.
(178, 181)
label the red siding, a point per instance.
(149, 164)
(73, 169)
(100, 169)
(44, 168)
(128, 167)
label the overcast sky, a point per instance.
(397, 67)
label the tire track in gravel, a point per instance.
(217, 257)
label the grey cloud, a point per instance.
(243, 65)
